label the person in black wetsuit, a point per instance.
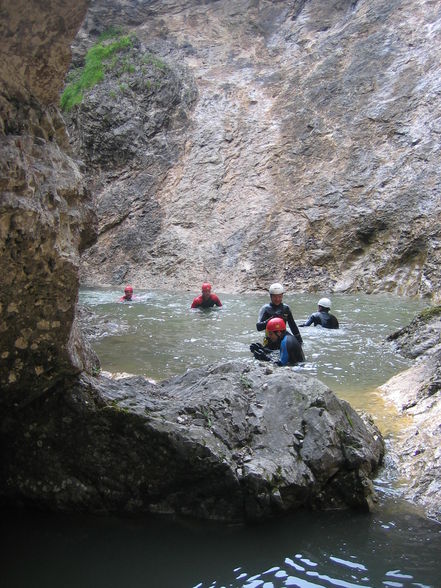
(323, 317)
(291, 351)
(276, 308)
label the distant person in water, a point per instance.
(276, 308)
(128, 294)
(291, 351)
(323, 317)
(206, 299)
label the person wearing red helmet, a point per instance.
(128, 294)
(291, 351)
(206, 299)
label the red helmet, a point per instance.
(128, 289)
(206, 287)
(276, 324)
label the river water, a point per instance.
(158, 336)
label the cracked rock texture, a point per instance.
(300, 144)
(416, 393)
(46, 210)
(228, 442)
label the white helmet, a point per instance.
(276, 289)
(324, 302)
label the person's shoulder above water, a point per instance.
(291, 352)
(277, 308)
(128, 294)
(322, 317)
(207, 299)
(272, 308)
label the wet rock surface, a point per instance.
(229, 442)
(417, 394)
(129, 131)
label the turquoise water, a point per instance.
(158, 336)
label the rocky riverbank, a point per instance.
(416, 393)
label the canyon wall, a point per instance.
(47, 217)
(300, 143)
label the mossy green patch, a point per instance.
(246, 383)
(429, 313)
(94, 68)
(155, 61)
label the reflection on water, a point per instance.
(158, 336)
(393, 549)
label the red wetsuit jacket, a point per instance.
(199, 302)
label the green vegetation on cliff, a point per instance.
(110, 43)
(430, 313)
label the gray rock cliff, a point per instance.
(311, 141)
(47, 217)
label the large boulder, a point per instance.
(231, 442)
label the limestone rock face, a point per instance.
(416, 393)
(229, 442)
(45, 209)
(128, 151)
(310, 156)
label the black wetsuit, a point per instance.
(291, 351)
(270, 310)
(323, 318)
